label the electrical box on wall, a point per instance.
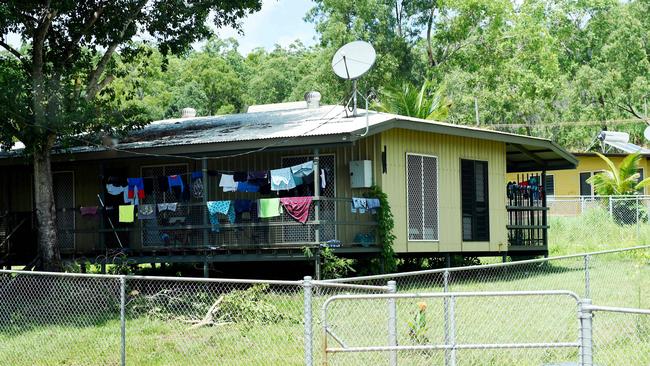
(361, 174)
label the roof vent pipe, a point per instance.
(313, 99)
(188, 113)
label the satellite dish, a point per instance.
(353, 60)
(646, 133)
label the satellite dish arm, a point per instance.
(367, 118)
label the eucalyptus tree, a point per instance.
(54, 87)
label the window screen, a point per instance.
(640, 171)
(585, 188)
(422, 184)
(549, 185)
(475, 200)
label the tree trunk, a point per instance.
(48, 248)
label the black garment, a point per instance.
(117, 181)
(265, 188)
(240, 176)
(148, 185)
(163, 184)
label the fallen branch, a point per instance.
(208, 319)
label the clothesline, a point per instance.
(211, 173)
(264, 181)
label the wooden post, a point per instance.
(317, 195)
(544, 212)
(204, 170)
(102, 196)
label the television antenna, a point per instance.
(351, 62)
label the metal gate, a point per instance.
(526, 327)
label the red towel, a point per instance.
(297, 207)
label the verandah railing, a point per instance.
(189, 227)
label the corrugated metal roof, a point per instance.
(326, 120)
(300, 127)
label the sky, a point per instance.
(279, 22)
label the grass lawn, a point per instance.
(270, 332)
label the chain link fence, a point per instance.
(441, 316)
(581, 224)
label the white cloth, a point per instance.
(115, 190)
(167, 206)
(322, 179)
(227, 182)
(124, 191)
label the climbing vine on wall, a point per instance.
(385, 225)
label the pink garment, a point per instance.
(88, 211)
(297, 207)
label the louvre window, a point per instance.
(549, 185)
(475, 200)
(422, 202)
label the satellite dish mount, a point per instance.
(350, 62)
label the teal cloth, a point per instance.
(220, 207)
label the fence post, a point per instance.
(611, 204)
(450, 354)
(452, 331)
(307, 287)
(638, 228)
(587, 262)
(123, 320)
(392, 322)
(586, 334)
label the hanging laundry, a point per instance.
(323, 182)
(88, 210)
(300, 171)
(269, 207)
(297, 207)
(243, 209)
(243, 206)
(220, 207)
(126, 213)
(258, 176)
(308, 179)
(373, 204)
(197, 184)
(176, 181)
(116, 181)
(163, 184)
(227, 182)
(136, 187)
(148, 185)
(240, 176)
(115, 190)
(130, 200)
(359, 205)
(247, 187)
(282, 180)
(171, 206)
(265, 188)
(147, 212)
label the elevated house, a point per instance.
(444, 183)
